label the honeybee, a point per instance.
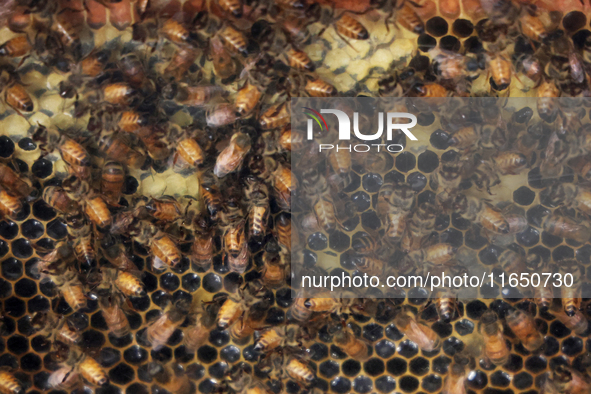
(577, 322)
(10, 205)
(437, 254)
(289, 335)
(571, 295)
(162, 247)
(188, 153)
(455, 381)
(203, 246)
(133, 69)
(298, 310)
(9, 384)
(299, 60)
(78, 365)
(355, 348)
(567, 380)
(118, 93)
(501, 71)
(465, 138)
(112, 181)
(221, 115)
(236, 304)
(236, 247)
(118, 147)
(247, 99)
(523, 326)
(562, 226)
(481, 212)
(223, 64)
(56, 327)
(161, 329)
(422, 335)
(299, 371)
(510, 162)
(193, 96)
(16, 97)
(17, 184)
(283, 185)
(70, 288)
(324, 210)
(57, 198)
(114, 316)
(275, 116)
(171, 379)
(284, 230)
(532, 27)
(179, 66)
(370, 265)
(82, 238)
(570, 195)
(547, 103)
(512, 263)
(212, 199)
(197, 332)
(319, 88)
(234, 40)
(165, 208)
(257, 197)
(174, 31)
(446, 303)
(446, 180)
(495, 347)
(407, 17)
(16, 47)
(420, 225)
(328, 303)
(126, 282)
(132, 121)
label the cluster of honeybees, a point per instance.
(236, 147)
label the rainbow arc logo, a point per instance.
(317, 117)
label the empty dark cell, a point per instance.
(475, 309)
(419, 366)
(40, 344)
(551, 346)
(408, 349)
(183, 355)
(529, 237)
(459, 222)
(386, 384)
(373, 332)
(135, 355)
(4, 248)
(339, 241)
(583, 255)
(44, 212)
(318, 351)
(428, 161)
(120, 342)
(275, 316)
(550, 240)
(500, 379)
(40, 380)
(417, 181)
(163, 354)
(169, 281)
(524, 196)
(405, 162)
(431, 383)
(453, 237)
(372, 182)
(450, 43)
(14, 307)
(38, 304)
(92, 339)
(283, 297)
(351, 367)
(374, 367)
(464, 327)
(354, 182)
(292, 387)
(21, 248)
(12, 269)
(442, 222)
(207, 386)
(109, 357)
(425, 42)
(17, 344)
(563, 252)
(425, 118)
(477, 380)
(361, 200)
(316, 241)
(462, 28)
(57, 229)
(522, 380)
(212, 283)
(207, 354)
(489, 255)
(452, 345)
(408, 384)
(393, 333)
(437, 26)
(25, 288)
(150, 282)
(130, 185)
(32, 229)
(370, 220)
(219, 337)
(121, 374)
(440, 364)
(8, 360)
(385, 348)
(362, 384)
(98, 321)
(329, 368)
(571, 346)
(8, 229)
(230, 353)
(536, 180)
(5, 288)
(218, 370)
(536, 364)
(439, 139)
(574, 21)
(27, 144)
(161, 298)
(42, 168)
(137, 388)
(30, 362)
(394, 177)
(6, 146)
(340, 385)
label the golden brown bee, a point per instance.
(422, 335)
(92, 371)
(547, 103)
(236, 248)
(407, 17)
(212, 199)
(298, 310)
(131, 121)
(232, 7)
(354, 347)
(76, 156)
(455, 381)
(57, 326)
(532, 27)
(126, 282)
(161, 329)
(571, 295)
(437, 254)
(83, 241)
(284, 230)
(114, 316)
(257, 196)
(10, 205)
(118, 93)
(324, 210)
(481, 212)
(232, 157)
(495, 347)
(176, 32)
(196, 334)
(179, 65)
(166, 208)
(318, 88)
(276, 116)
(283, 185)
(247, 99)
(188, 152)
(395, 226)
(162, 247)
(577, 322)
(64, 378)
(501, 70)
(118, 147)
(71, 289)
(299, 371)
(17, 98)
(230, 311)
(112, 182)
(465, 138)
(349, 27)
(511, 163)
(19, 185)
(512, 262)
(221, 115)
(57, 198)
(428, 90)
(281, 336)
(16, 47)
(194, 95)
(223, 64)
(523, 326)
(420, 225)
(562, 226)
(572, 196)
(234, 40)
(299, 60)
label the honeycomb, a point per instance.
(395, 363)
